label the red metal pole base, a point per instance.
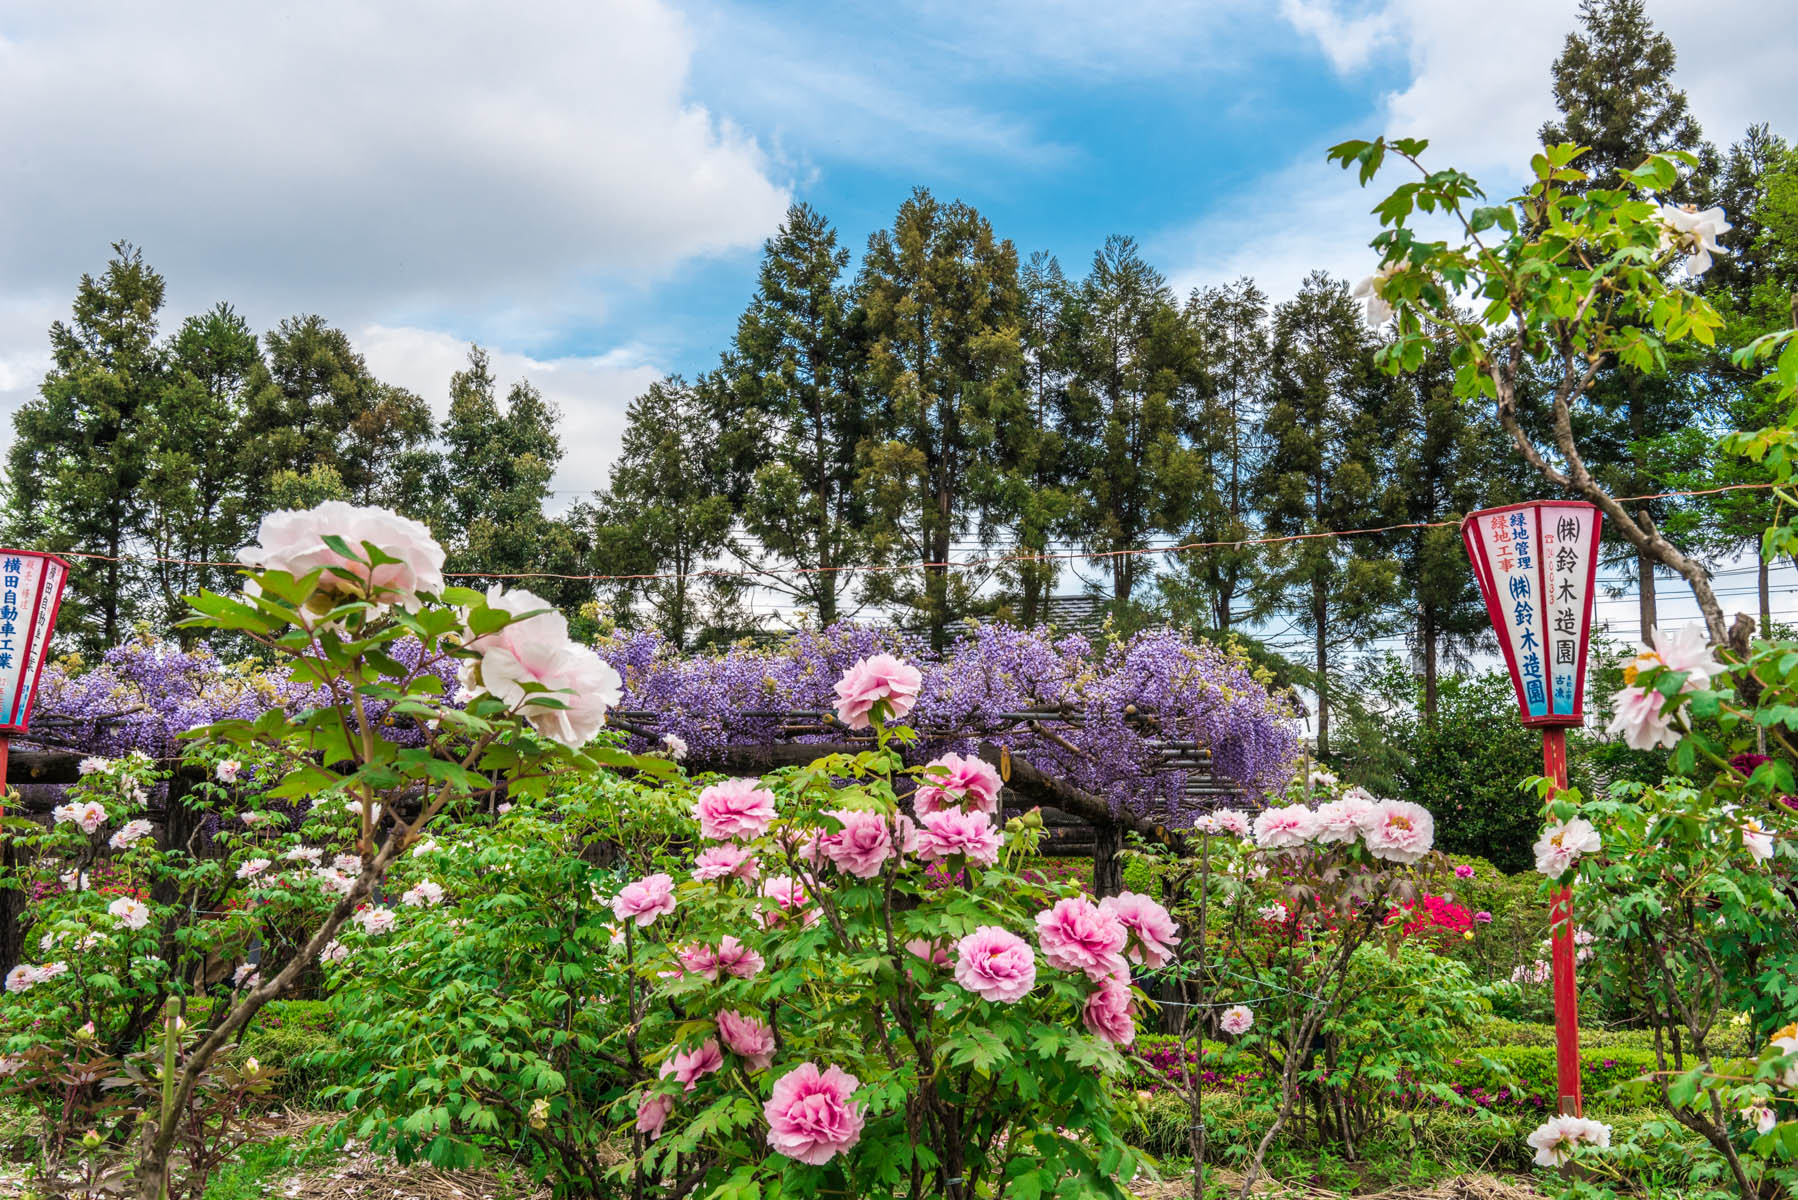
(1554, 766)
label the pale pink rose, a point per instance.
(1076, 935)
(790, 899)
(1152, 929)
(294, 542)
(690, 1066)
(537, 650)
(725, 862)
(132, 914)
(735, 808)
(1400, 831)
(1639, 719)
(951, 832)
(737, 960)
(958, 781)
(881, 679)
(862, 846)
(1563, 843)
(130, 832)
(934, 953)
(699, 959)
(1285, 828)
(811, 1118)
(995, 964)
(1110, 1011)
(748, 1038)
(652, 1114)
(645, 900)
(1346, 819)
(1237, 1020)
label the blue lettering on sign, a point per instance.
(1520, 587)
(1527, 639)
(13, 564)
(1532, 691)
(1523, 613)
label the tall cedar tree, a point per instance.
(1210, 588)
(942, 304)
(667, 511)
(1136, 369)
(1613, 84)
(1321, 472)
(795, 370)
(80, 447)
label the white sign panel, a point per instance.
(30, 593)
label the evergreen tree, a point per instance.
(795, 370)
(666, 511)
(1135, 373)
(942, 304)
(80, 448)
(1321, 473)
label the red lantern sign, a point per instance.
(30, 594)
(1537, 566)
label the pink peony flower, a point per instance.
(737, 960)
(424, 894)
(252, 868)
(810, 1116)
(1151, 927)
(294, 542)
(581, 685)
(733, 809)
(1226, 820)
(375, 921)
(1562, 844)
(882, 680)
(748, 1038)
(1639, 719)
(952, 831)
(789, 898)
(1237, 1020)
(130, 832)
(1685, 649)
(1346, 819)
(652, 1114)
(1400, 831)
(1110, 1011)
(1076, 935)
(1285, 828)
(958, 781)
(1463, 871)
(863, 844)
(725, 862)
(699, 959)
(645, 900)
(934, 953)
(90, 815)
(995, 964)
(690, 1066)
(132, 914)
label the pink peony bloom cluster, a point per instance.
(737, 960)
(1077, 935)
(862, 846)
(736, 808)
(880, 680)
(1151, 927)
(645, 900)
(23, 978)
(294, 542)
(89, 814)
(995, 964)
(1232, 821)
(690, 1066)
(750, 1038)
(725, 862)
(537, 651)
(958, 781)
(951, 831)
(811, 1117)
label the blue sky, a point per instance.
(584, 186)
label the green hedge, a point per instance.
(1496, 1031)
(287, 1034)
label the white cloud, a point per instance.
(1349, 40)
(592, 392)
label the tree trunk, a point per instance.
(1766, 596)
(1318, 609)
(1645, 588)
(1108, 871)
(1428, 635)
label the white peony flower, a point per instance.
(1398, 831)
(246, 976)
(309, 854)
(1377, 310)
(132, 913)
(1694, 233)
(1761, 1117)
(424, 894)
(1756, 840)
(228, 770)
(294, 542)
(93, 764)
(375, 920)
(1556, 1137)
(252, 868)
(1562, 844)
(677, 746)
(131, 831)
(537, 650)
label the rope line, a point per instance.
(990, 560)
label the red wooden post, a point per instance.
(1554, 767)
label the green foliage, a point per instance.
(295, 1038)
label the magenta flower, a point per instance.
(864, 843)
(995, 964)
(1484, 918)
(810, 1116)
(652, 1114)
(732, 809)
(1151, 927)
(1109, 1011)
(737, 960)
(958, 781)
(881, 679)
(645, 900)
(690, 1066)
(952, 831)
(725, 862)
(1463, 871)
(748, 1038)
(1076, 935)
